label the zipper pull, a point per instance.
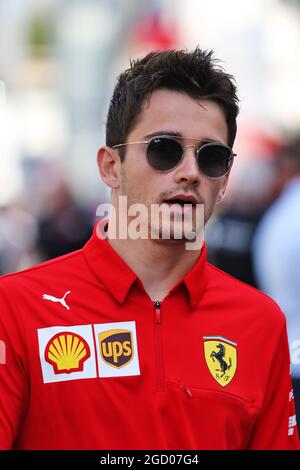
(157, 312)
(185, 389)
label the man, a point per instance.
(279, 232)
(136, 342)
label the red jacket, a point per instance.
(92, 363)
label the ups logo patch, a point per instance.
(116, 347)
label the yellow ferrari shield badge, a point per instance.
(221, 358)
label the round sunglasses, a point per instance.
(164, 153)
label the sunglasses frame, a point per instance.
(197, 152)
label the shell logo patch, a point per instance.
(221, 358)
(116, 347)
(67, 352)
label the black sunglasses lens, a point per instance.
(214, 160)
(163, 153)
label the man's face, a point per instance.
(171, 112)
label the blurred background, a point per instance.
(58, 64)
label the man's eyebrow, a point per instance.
(177, 134)
(163, 132)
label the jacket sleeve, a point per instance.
(276, 427)
(13, 379)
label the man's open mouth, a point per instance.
(181, 202)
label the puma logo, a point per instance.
(56, 299)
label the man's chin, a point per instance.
(176, 232)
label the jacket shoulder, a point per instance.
(248, 297)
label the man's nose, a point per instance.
(188, 170)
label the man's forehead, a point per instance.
(162, 94)
(168, 112)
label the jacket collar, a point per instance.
(118, 277)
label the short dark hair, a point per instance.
(195, 73)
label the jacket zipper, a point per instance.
(158, 347)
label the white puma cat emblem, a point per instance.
(56, 299)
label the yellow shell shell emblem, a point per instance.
(67, 352)
(221, 358)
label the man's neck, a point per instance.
(159, 264)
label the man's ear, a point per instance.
(109, 165)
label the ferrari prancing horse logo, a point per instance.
(221, 358)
